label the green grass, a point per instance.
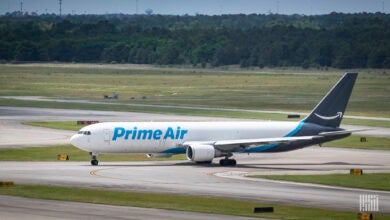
(75, 154)
(373, 143)
(63, 125)
(264, 89)
(373, 123)
(377, 181)
(174, 202)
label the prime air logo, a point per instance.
(149, 134)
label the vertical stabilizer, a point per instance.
(330, 110)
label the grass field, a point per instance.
(62, 125)
(264, 89)
(175, 202)
(377, 181)
(75, 154)
(373, 143)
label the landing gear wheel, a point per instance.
(94, 162)
(228, 162)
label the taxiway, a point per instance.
(15, 208)
(182, 177)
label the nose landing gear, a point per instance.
(94, 161)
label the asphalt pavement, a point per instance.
(178, 177)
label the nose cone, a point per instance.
(75, 140)
(80, 141)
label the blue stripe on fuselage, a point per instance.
(269, 146)
(177, 150)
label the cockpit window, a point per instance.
(84, 132)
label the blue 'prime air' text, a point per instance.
(149, 134)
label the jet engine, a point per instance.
(201, 153)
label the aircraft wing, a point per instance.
(262, 141)
(228, 145)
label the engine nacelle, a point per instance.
(200, 153)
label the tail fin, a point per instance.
(330, 110)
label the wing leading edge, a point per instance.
(231, 145)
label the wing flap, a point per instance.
(261, 141)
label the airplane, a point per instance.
(204, 141)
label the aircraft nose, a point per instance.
(75, 140)
(80, 141)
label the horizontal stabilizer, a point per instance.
(333, 133)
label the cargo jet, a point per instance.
(204, 141)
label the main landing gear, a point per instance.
(94, 161)
(228, 162)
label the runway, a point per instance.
(182, 177)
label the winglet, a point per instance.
(330, 110)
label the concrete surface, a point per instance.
(16, 208)
(180, 177)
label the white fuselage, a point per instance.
(167, 137)
(204, 141)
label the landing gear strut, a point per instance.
(94, 161)
(227, 162)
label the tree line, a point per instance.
(334, 40)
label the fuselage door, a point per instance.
(106, 134)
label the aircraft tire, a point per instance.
(94, 162)
(228, 162)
